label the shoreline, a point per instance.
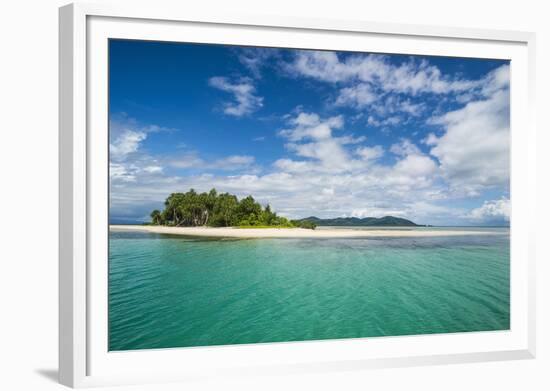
(251, 233)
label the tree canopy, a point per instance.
(211, 209)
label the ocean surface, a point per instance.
(172, 291)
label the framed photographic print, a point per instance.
(275, 195)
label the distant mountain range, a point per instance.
(386, 221)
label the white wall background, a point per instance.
(28, 193)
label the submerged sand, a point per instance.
(230, 232)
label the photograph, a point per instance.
(268, 195)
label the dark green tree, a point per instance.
(249, 211)
(156, 217)
(225, 210)
(218, 210)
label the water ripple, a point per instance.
(167, 291)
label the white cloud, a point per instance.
(328, 171)
(404, 148)
(474, 150)
(328, 161)
(416, 165)
(492, 210)
(256, 58)
(234, 161)
(119, 172)
(126, 143)
(130, 164)
(383, 105)
(327, 154)
(322, 65)
(413, 170)
(127, 160)
(386, 91)
(360, 95)
(229, 163)
(310, 125)
(348, 139)
(312, 137)
(327, 191)
(389, 121)
(142, 167)
(412, 77)
(294, 190)
(370, 153)
(407, 106)
(243, 91)
(153, 169)
(431, 139)
(292, 166)
(187, 160)
(496, 80)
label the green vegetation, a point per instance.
(304, 224)
(386, 221)
(211, 209)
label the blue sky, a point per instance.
(310, 132)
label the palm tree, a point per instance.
(156, 217)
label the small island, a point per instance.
(211, 209)
(213, 214)
(386, 221)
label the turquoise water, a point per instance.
(172, 291)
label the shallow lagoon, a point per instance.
(172, 291)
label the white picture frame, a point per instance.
(83, 357)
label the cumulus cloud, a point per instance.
(390, 92)
(243, 91)
(360, 95)
(370, 153)
(389, 121)
(353, 169)
(417, 165)
(493, 210)
(310, 125)
(374, 71)
(404, 148)
(349, 139)
(329, 171)
(474, 149)
(256, 58)
(126, 143)
(312, 137)
(186, 160)
(119, 172)
(127, 161)
(131, 165)
(153, 169)
(126, 135)
(413, 169)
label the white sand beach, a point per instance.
(230, 232)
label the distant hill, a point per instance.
(386, 221)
